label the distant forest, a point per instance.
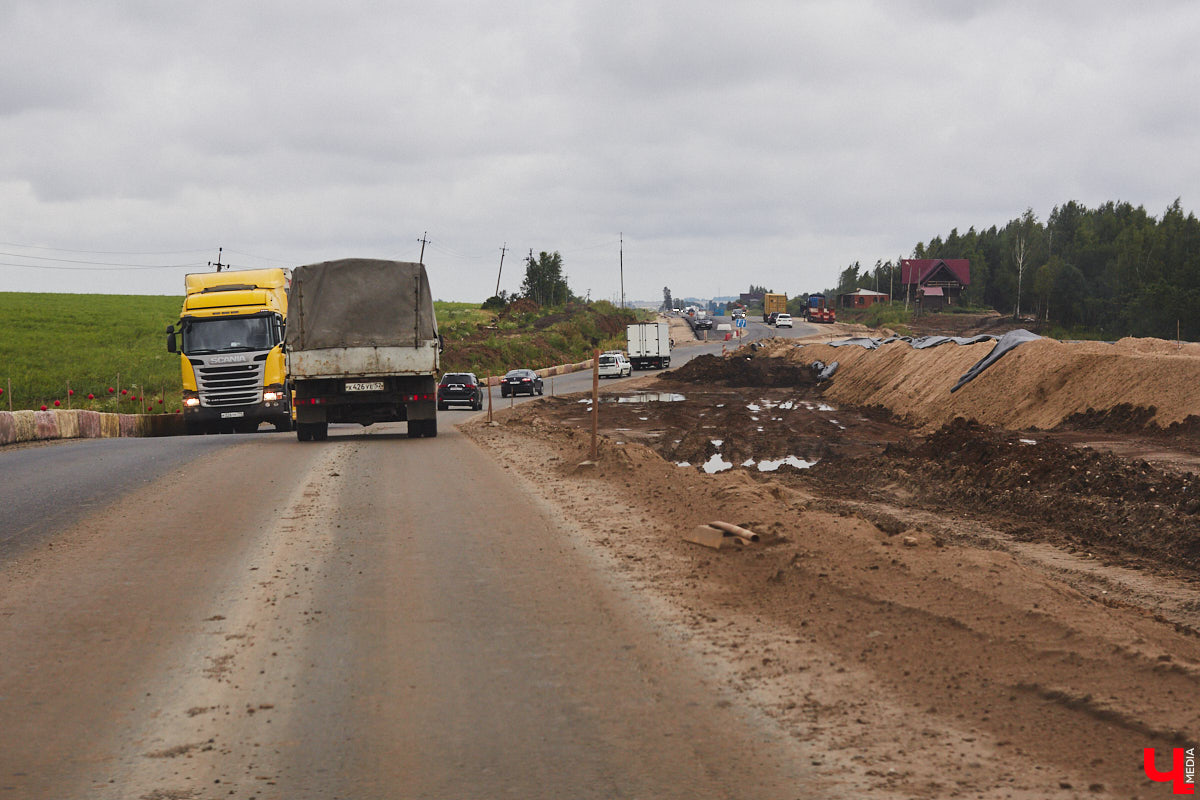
(1115, 269)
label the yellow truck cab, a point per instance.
(230, 340)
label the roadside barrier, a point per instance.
(32, 426)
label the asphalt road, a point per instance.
(367, 617)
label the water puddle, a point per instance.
(716, 464)
(649, 397)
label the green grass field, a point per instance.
(89, 343)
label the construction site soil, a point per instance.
(954, 595)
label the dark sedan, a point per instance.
(459, 388)
(520, 381)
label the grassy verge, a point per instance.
(880, 315)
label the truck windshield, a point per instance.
(227, 334)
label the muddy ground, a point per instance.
(962, 612)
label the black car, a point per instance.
(459, 388)
(520, 381)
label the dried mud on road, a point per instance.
(938, 607)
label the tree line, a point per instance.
(1114, 269)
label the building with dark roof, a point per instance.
(935, 282)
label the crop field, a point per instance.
(54, 344)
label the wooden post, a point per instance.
(489, 398)
(595, 400)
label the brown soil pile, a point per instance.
(1039, 385)
(743, 369)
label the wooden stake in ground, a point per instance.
(489, 385)
(595, 399)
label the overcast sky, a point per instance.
(727, 143)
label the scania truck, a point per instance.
(363, 346)
(230, 339)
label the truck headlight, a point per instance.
(191, 402)
(269, 397)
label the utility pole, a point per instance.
(502, 249)
(622, 235)
(218, 263)
(423, 242)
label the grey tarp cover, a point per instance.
(360, 302)
(824, 371)
(1003, 344)
(920, 343)
(933, 341)
(1006, 342)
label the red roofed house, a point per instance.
(936, 282)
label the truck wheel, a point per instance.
(303, 432)
(430, 428)
(320, 431)
(283, 424)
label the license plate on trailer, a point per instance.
(365, 386)
(232, 414)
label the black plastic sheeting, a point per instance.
(918, 343)
(1003, 344)
(824, 371)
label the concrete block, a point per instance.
(68, 423)
(25, 425)
(45, 425)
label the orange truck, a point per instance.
(773, 304)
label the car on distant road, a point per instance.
(520, 381)
(702, 323)
(783, 321)
(459, 388)
(614, 364)
(771, 317)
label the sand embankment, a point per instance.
(1038, 385)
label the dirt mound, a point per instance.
(1039, 385)
(747, 368)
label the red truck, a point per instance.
(818, 310)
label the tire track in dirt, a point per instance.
(225, 704)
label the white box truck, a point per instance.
(649, 345)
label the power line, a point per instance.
(93, 267)
(103, 252)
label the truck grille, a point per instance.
(230, 384)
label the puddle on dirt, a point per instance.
(647, 397)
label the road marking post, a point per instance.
(595, 399)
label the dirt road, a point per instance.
(371, 617)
